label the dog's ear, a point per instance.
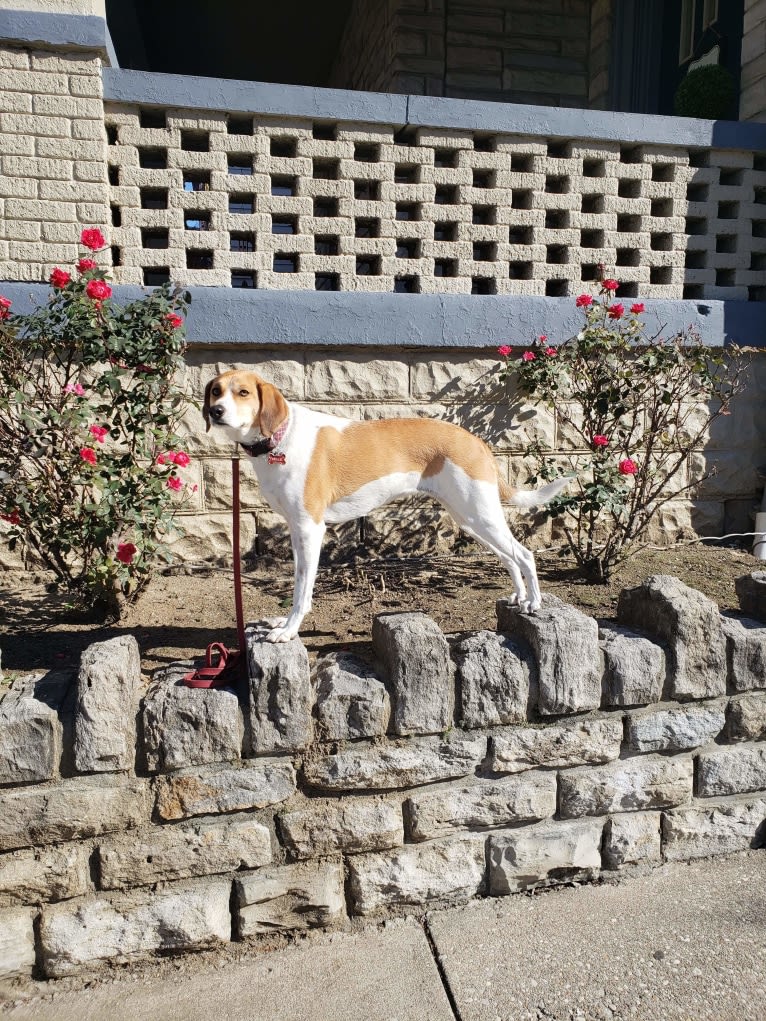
(206, 405)
(273, 409)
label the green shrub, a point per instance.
(709, 92)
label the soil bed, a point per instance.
(181, 613)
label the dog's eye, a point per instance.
(244, 393)
(216, 391)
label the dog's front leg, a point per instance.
(306, 540)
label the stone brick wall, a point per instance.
(752, 104)
(442, 768)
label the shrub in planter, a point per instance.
(708, 91)
(635, 407)
(91, 470)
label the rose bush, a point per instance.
(634, 408)
(88, 413)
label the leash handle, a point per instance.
(237, 566)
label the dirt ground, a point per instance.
(181, 612)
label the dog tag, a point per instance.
(276, 458)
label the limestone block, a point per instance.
(625, 786)
(280, 695)
(702, 830)
(497, 679)
(44, 874)
(746, 718)
(677, 729)
(304, 896)
(543, 855)
(108, 687)
(326, 827)
(630, 838)
(17, 942)
(431, 814)
(351, 702)
(451, 869)
(565, 645)
(751, 592)
(31, 731)
(89, 932)
(745, 652)
(395, 764)
(235, 788)
(634, 667)
(737, 770)
(356, 377)
(689, 623)
(587, 741)
(71, 809)
(416, 658)
(189, 726)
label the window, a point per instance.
(284, 225)
(241, 164)
(241, 241)
(242, 278)
(243, 203)
(196, 220)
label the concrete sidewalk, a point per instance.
(684, 943)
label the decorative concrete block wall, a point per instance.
(442, 768)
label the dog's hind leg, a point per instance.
(307, 544)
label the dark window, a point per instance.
(556, 288)
(154, 237)
(628, 224)
(627, 257)
(556, 254)
(283, 185)
(697, 192)
(407, 211)
(520, 235)
(241, 202)
(663, 171)
(154, 198)
(483, 285)
(111, 134)
(283, 147)
(240, 164)
(199, 258)
(593, 168)
(406, 285)
(445, 268)
(325, 207)
(195, 141)
(240, 125)
(520, 270)
(662, 207)
(728, 210)
(521, 163)
(155, 276)
(285, 263)
(241, 241)
(326, 282)
(556, 184)
(284, 225)
(364, 152)
(483, 251)
(407, 249)
(116, 256)
(521, 198)
(591, 239)
(630, 155)
(556, 219)
(445, 158)
(325, 170)
(116, 216)
(483, 179)
(661, 242)
(446, 195)
(483, 214)
(368, 265)
(404, 173)
(445, 231)
(558, 150)
(324, 132)
(196, 180)
(152, 158)
(366, 228)
(593, 203)
(660, 275)
(197, 220)
(696, 260)
(366, 190)
(696, 225)
(114, 174)
(242, 278)
(484, 143)
(326, 244)
(628, 188)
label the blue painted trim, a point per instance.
(171, 90)
(60, 31)
(225, 316)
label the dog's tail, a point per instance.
(532, 497)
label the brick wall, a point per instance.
(752, 104)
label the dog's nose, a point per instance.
(216, 412)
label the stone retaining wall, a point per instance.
(166, 819)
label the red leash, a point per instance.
(232, 663)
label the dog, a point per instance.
(317, 469)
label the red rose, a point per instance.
(88, 454)
(60, 278)
(5, 304)
(583, 301)
(610, 284)
(616, 311)
(99, 290)
(14, 518)
(175, 483)
(181, 459)
(125, 552)
(504, 351)
(93, 238)
(542, 338)
(99, 432)
(550, 351)
(600, 440)
(174, 320)
(528, 356)
(627, 467)
(84, 265)
(638, 308)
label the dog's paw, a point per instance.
(529, 605)
(513, 598)
(282, 634)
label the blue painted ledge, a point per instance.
(221, 315)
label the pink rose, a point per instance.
(584, 301)
(542, 338)
(88, 454)
(627, 467)
(84, 265)
(175, 483)
(99, 432)
(60, 278)
(161, 459)
(528, 356)
(504, 351)
(74, 388)
(616, 311)
(638, 308)
(610, 284)
(125, 552)
(181, 459)
(5, 304)
(99, 290)
(174, 320)
(93, 238)
(551, 351)
(600, 440)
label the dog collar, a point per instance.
(269, 443)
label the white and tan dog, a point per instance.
(316, 469)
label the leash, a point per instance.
(231, 663)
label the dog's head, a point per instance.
(241, 403)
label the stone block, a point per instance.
(677, 729)
(191, 792)
(395, 764)
(634, 667)
(690, 625)
(280, 697)
(451, 869)
(89, 932)
(587, 741)
(416, 658)
(543, 855)
(745, 652)
(631, 838)
(356, 377)
(565, 645)
(432, 814)
(736, 770)
(751, 592)
(625, 786)
(44, 874)
(351, 702)
(108, 691)
(746, 718)
(497, 679)
(702, 830)
(189, 726)
(326, 827)
(17, 942)
(31, 731)
(165, 853)
(71, 809)
(304, 896)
